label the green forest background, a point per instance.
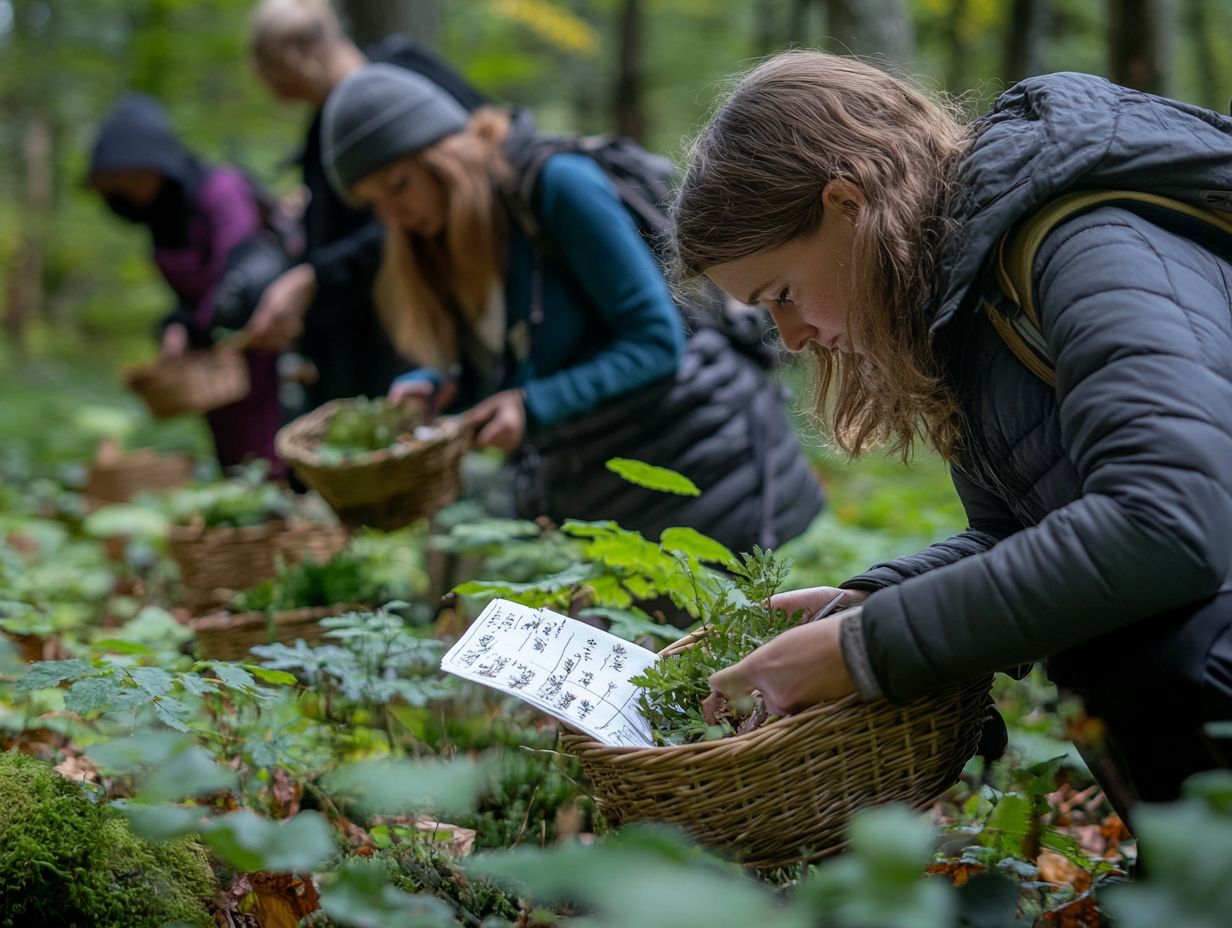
(78, 296)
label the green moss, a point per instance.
(67, 860)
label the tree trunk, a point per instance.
(956, 46)
(766, 37)
(629, 105)
(24, 287)
(798, 23)
(871, 28)
(1139, 33)
(1198, 25)
(369, 21)
(1025, 38)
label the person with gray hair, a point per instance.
(301, 52)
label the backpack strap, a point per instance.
(1013, 311)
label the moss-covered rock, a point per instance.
(67, 860)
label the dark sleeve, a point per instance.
(988, 521)
(351, 261)
(1144, 381)
(606, 254)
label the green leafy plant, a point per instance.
(245, 500)
(347, 577)
(740, 621)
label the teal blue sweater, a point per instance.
(609, 324)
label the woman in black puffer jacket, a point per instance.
(1100, 510)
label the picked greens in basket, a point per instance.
(674, 688)
(364, 425)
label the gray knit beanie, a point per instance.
(381, 113)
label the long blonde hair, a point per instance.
(428, 288)
(754, 181)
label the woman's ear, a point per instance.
(843, 195)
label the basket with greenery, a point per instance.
(376, 463)
(196, 382)
(773, 791)
(233, 534)
(291, 605)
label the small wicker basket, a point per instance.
(214, 562)
(197, 382)
(784, 793)
(116, 477)
(228, 636)
(384, 489)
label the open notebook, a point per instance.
(567, 668)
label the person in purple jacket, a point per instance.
(197, 217)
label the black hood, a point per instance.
(1063, 132)
(138, 136)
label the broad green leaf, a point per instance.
(143, 749)
(394, 786)
(266, 675)
(125, 519)
(104, 692)
(46, 674)
(249, 842)
(1008, 824)
(187, 773)
(233, 676)
(651, 477)
(645, 877)
(163, 822)
(153, 681)
(685, 540)
(360, 894)
(122, 647)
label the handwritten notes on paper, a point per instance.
(567, 668)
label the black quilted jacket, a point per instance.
(1109, 499)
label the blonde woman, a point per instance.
(566, 348)
(863, 217)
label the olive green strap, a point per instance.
(1018, 324)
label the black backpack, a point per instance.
(646, 183)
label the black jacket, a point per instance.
(1109, 499)
(342, 334)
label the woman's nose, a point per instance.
(796, 333)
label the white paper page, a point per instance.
(567, 668)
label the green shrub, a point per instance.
(68, 860)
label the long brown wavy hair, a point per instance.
(753, 182)
(428, 287)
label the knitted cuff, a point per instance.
(855, 654)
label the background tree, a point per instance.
(1139, 43)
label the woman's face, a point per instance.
(806, 283)
(138, 186)
(406, 196)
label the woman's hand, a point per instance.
(175, 341)
(801, 667)
(279, 317)
(500, 421)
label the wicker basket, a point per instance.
(197, 382)
(785, 792)
(228, 636)
(385, 489)
(216, 561)
(119, 476)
